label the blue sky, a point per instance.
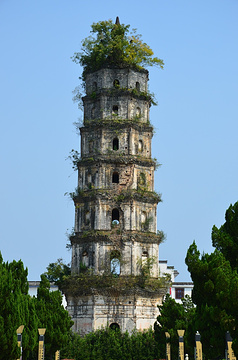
(196, 120)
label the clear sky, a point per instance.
(196, 120)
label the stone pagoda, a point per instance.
(115, 273)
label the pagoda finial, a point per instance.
(117, 21)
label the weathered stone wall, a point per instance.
(130, 176)
(97, 256)
(104, 79)
(115, 205)
(132, 311)
(131, 141)
(118, 106)
(107, 95)
(98, 215)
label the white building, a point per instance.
(33, 286)
(178, 290)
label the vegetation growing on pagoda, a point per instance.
(114, 45)
(87, 283)
(120, 91)
(120, 158)
(90, 194)
(103, 235)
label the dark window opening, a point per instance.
(137, 86)
(144, 258)
(116, 83)
(115, 217)
(115, 144)
(115, 109)
(114, 326)
(138, 112)
(115, 254)
(140, 146)
(179, 293)
(115, 177)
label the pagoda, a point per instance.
(115, 246)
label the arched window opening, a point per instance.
(144, 257)
(142, 179)
(116, 83)
(143, 217)
(137, 86)
(115, 217)
(95, 86)
(138, 112)
(114, 326)
(115, 267)
(115, 177)
(145, 221)
(115, 110)
(140, 146)
(145, 254)
(115, 144)
(115, 262)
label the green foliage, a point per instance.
(215, 290)
(52, 316)
(145, 225)
(174, 316)
(113, 345)
(146, 266)
(113, 45)
(84, 283)
(16, 308)
(74, 157)
(57, 271)
(83, 268)
(225, 239)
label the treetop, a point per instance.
(114, 45)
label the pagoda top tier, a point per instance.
(108, 78)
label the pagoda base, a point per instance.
(130, 311)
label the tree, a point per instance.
(57, 272)
(113, 45)
(16, 308)
(215, 290)
(225, 239)
(112, 345)
(174, 316)
(52, 316)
